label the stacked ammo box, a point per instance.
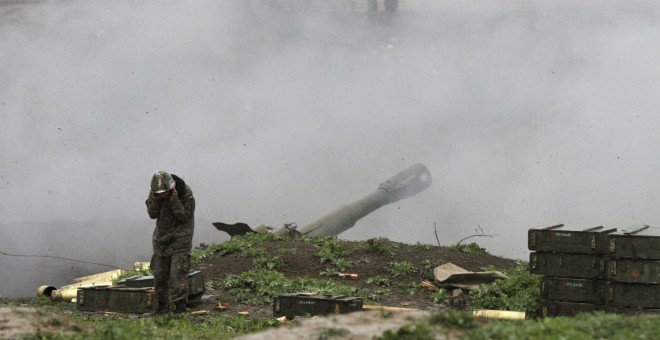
(596, 269)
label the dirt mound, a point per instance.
(303, 262)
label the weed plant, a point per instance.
(381, 246)
(400, 268)
(521, 292)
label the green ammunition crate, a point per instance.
(635, 243)
(634, 271)
(568, 265)
(302, 304)
(573, 290)
(632, 295)
(196, 286)
(555, 239)
(632, 311)
(562, 308)
(115, 299)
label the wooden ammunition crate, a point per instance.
(635, 243)
(634, 271)
(632, 295)
(563, 308)
(574, 290)
(116, 299)
(568, 265)
(196, 286)
(556, 239)
(302, 304)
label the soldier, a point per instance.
(172, 204)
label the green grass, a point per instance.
(521, 292)
(245, 245)
(259, 286)
(163, 327)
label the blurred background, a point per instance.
(527, 114)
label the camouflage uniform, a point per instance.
(172, 244)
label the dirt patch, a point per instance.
(302, 262)
(354, 326)
(16, 322)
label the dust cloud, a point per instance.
(527, 114)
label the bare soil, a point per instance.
(367, 264)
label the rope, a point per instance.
(60, 258)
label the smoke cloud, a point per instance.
(527, 114)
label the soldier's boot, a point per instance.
(179, 307)
(162, 309)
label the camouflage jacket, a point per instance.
(175, 221)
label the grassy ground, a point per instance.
(392, 270)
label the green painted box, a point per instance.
(635, 243)
(568, 265)
(562, 308)
(303, 304)
(115, 299)
(632, 310)
(556, 239)
(632, 295)
(196, 287)
(634, 271)
(574, 290)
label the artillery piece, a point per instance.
(406, 183)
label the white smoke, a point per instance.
(527, 114)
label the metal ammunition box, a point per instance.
(574, 290)
(632, 295)
(635, 243)
(634, 271)
(116, 299)
(196, 286)
(302, 304)
(555, 239)
(562, 308)
(568, 265)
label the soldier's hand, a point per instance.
(174, 195)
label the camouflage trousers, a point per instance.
(171, 277)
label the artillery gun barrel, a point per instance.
(406, 183)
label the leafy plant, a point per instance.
(287, 251)
(379, 280)
(440, 296)
(400, 268)
(272, 263)
(241, 244)
(520, 292)
(381, 246)
(328, 249)
(259, 286)
(470, 248)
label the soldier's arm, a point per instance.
(183, 211)
(153, 206)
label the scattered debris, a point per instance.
(348, 276)
(221, 306)
(452, 276)
(499, 314)
(429, 285)
(200, 312)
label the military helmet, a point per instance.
(161, 182)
